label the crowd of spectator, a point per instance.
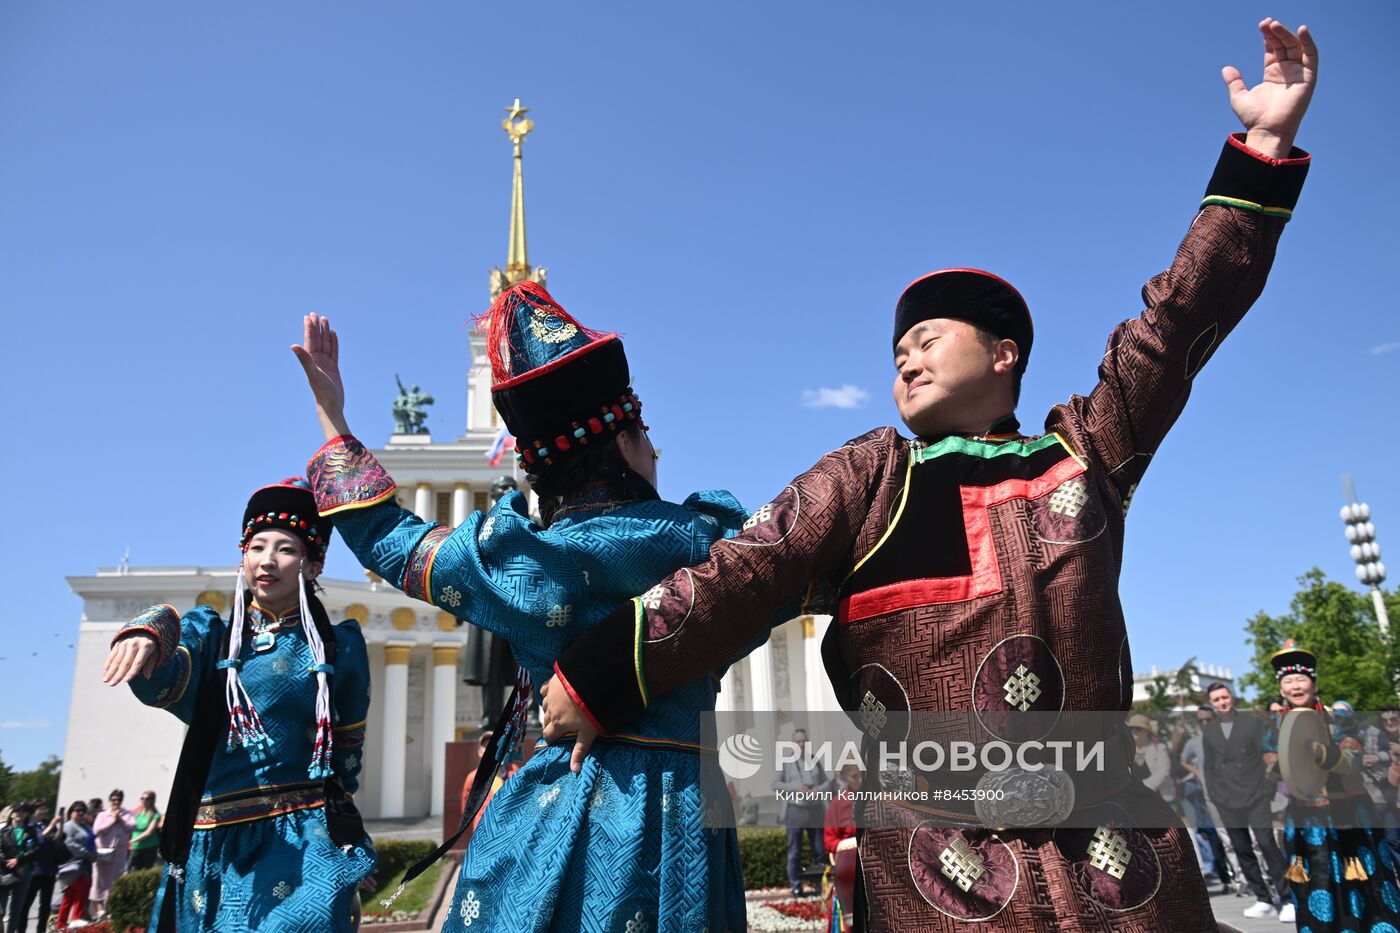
(1224, 773)
(75, 856)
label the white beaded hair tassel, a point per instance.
(321, 752)
(244, 726)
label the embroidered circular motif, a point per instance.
(1019, 675)
(771, 523)
(550, 329)
(969, 875)
(1321, 906)
(1071, 513)
(883, 704)
(1113, 865)
(665, 608)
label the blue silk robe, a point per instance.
(261, 858)
(622, 845)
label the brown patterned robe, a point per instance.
(982, 574)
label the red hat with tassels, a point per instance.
(558, 385)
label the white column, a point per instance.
(423, 502)
(761, 679)
(444, 720)
(391, 789)
(461, 507)
(724, 700)
(724, 706)
(812, 660)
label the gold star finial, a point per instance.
(516, 125)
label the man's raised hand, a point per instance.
(319, 355)
(1273, 109)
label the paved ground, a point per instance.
(424, 827)
(1228, 909)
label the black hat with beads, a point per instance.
(288, 506)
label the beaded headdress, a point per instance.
(286, 506)
(557, 384)
(1291, 659)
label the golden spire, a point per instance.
(518, 267)
(517, 259)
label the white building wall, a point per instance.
(418, 751)
(113, 741)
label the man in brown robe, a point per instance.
(976, 569)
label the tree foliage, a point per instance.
(1338, 624)
(7, 777)
(38, 784)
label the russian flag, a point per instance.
(499, 446)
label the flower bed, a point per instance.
(779, 912)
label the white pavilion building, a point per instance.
(416, 652)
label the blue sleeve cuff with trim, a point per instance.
(159, 623)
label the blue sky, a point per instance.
(741, 189)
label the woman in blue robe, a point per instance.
(260, 834)
(626, 843)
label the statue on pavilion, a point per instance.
(409, 411)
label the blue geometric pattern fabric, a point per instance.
(623, 842)
(1333, 899)
(272, 870)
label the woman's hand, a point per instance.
(133, 655)
(319, 355)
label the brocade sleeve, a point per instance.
(187, 648)
(1146, 373)
(481, 572)
(698, 618)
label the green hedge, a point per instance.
(397, 854)
(131, 899)
(763, 855)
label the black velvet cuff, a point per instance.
(600, 671)
(1253, 181)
